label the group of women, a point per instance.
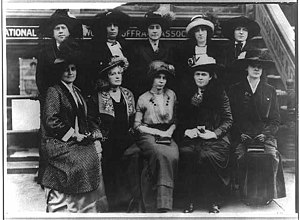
(116, 145)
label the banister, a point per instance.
(279, 37)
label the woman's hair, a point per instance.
(212, 96)
(151, 78)
(102, 83)
(194, 29)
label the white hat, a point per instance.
(197, 21)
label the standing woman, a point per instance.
(205, 120)
(199, 32)
(72, 178)
(111, 113)
(154, 24)
(155, 123)
(107, 41)
(256, 121)
(60, 26)
(240, 31)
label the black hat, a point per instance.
(162, 16)
(261, 56)
(230, 25)
(61, 16)
(157, 66)
(102, 20)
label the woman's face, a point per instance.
(241, 34)
(112, 31)
(254, 70)
(154, 32)
(201, 78)
(60, 33)
(201, 34)
(160, 81)
(69, 74)
(115, 76)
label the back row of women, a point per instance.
(141, 143)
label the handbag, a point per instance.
(162, 140)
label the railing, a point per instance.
(279, 37)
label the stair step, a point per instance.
(22, 167)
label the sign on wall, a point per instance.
(27, 76)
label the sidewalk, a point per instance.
(25, 198)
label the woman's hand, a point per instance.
(208, 135)
(245, 137)
(78, 137)
(164, 134)
(192, 133)
(260, 137)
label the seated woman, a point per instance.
(155, 122)
(110, 114)
(256, 121)
(205, 118)
(72, 177)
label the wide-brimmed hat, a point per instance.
(161, 16)
(158, 66)
(197, 21)
(230, 25)
(61, 16)
(117, 17)
(113, 62)
(204, 63)
(261, 56)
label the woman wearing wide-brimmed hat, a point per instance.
(154, 24)
(72, 174)
(204, 122)
(107, 41)
(60, 26)
(155, 121)
(110, 114)
(240, 31)
(256, 121)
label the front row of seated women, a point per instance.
(75, 133)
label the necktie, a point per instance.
(238, 49)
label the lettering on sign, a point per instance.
(25, 32)
(30, 32)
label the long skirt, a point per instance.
(158, 174)
(89, 202)
(260, 174)
(205, 167)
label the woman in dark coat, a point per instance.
(155, 123)
(240, 31)
(154, 23)
(72, 178)
(107, 41)
(204, 123)
(59, 27)
(256, 121)
(110, 113)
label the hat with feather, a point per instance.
(161, 16)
